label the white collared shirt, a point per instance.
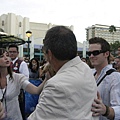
(109, 90)
(23, 69)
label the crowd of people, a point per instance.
(72, 88)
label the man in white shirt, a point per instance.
(19, 66)
(108, 106)
(69, 94)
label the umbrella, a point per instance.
(6, 40)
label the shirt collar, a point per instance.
(15, 60)
(70, 63)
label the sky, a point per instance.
(79, 13)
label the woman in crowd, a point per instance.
(34, 68)
(34, 78)
(10, 85)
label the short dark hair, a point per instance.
(62, 43)
(105, 46)
(13, 45)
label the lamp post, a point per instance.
(28, 34)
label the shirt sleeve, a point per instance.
(23, 80)
(115, 97)
(20, 80)
(24, 69)
(49, 102)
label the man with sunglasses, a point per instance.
(107, 106)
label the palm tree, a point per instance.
(114, 47)
(112, 30)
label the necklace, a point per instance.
(3, 95)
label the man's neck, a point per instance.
(14, 60)
(99, 68)
(58, 65)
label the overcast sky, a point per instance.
(79, 13)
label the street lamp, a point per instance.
(28, 34)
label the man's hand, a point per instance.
(2, 111)
(98, 108)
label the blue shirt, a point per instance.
(109, 90)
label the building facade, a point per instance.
(98, 30)
(18, 25)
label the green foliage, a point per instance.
(112, 29)
(114, 46)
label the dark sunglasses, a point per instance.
(95, 53)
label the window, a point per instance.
(20, 24)
(2, 23)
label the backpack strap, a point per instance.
(107, 73)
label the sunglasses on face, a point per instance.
(95, 52)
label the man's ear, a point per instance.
(107, 53)
(50, 54)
